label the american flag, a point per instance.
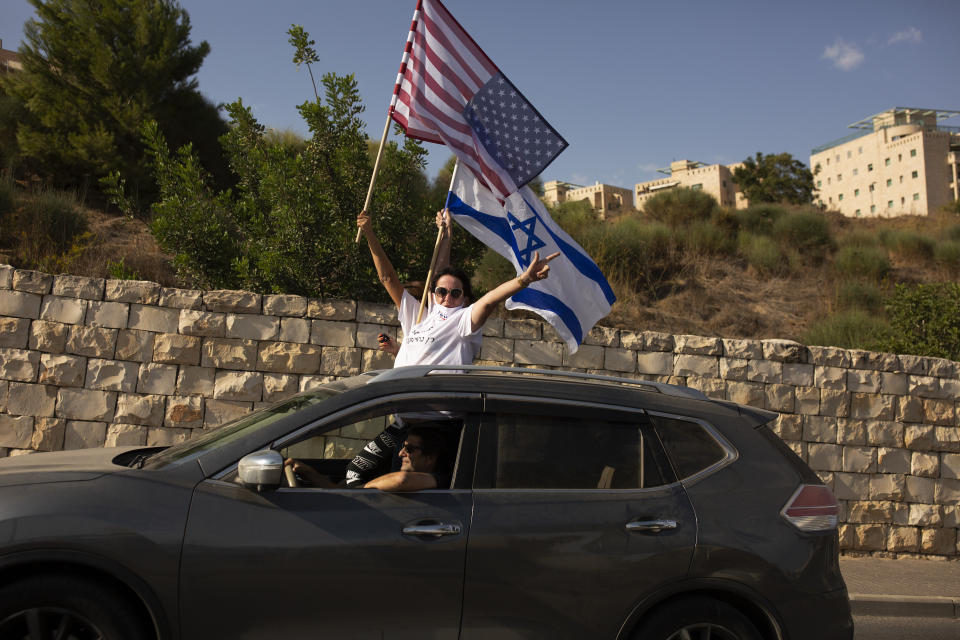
(448, 91)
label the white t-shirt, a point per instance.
(443, 337)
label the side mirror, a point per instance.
(261, 470)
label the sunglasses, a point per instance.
(412, 448)
(454, 293)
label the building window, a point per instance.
(840, 197)
(697, 187)
(828, 162)
(839, 177)
(916, 196)
(889, 204)
(903, 201)
(838, 157)
(828, 180)
(854, 172)
(901, 179)
(913, 153)
(873, 208)
(849, 153)
(857, 212)
(869, 167)
(819, 183)
(871, 186)
(856, 192)
(913, 174)
(899, 157)
(889, 182)
(860, 150)
(886, 162)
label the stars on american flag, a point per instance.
(511, 130)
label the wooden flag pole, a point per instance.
(436, 248)
(376, 165)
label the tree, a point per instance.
(925, 320)
(775, 178)
(94, 72)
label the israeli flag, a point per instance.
(575, 295)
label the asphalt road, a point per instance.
(881, 628)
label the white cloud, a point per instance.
(845, 56)
(910, 34)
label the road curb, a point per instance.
(870, 604)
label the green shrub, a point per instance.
(854, 294)
(862, 262)
(805, 231)
(118, 270)
(41, 227)
(760, 219)
(947, 253)
(908, 244)
(925, 320)
(953, 232)
(703, 237)
(763, 254)
(859, 239)
(639, 254)
(851, 329)
(681, 206)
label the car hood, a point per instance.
(60, 466)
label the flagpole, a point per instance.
(376, 165)
(436, 247)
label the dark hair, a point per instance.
(433, 443)
(460, 275)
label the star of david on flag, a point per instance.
(575, 296)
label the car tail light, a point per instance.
(812, 508)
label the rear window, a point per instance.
(689, 445)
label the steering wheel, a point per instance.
(292, 479)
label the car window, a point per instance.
(554, 452)
(342, 443)
(689, 446)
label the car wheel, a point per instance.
(696, 619)
(65, 608)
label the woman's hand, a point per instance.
(538, 269)
(444, 220)
(363, 222)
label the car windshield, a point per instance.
(245, 425)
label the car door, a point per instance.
(577, 517)
(329, 562)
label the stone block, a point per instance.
(230, 301)
(910, 409)
(377, 360)
(828, 356)
(86, 404)
(925, 515)
(872, 406)
(631, 340)
(196, 381)
(217, 412)
(332, 309)
(913, 364)
(925, 465)
(65, 310)
(924, 386)
(181, 298)
(657, 341)
(125, 435)
(278, 386)
(536, 352)
(920, 437)
(19, 365)
(903, 539)
(784, 351)
(807, 400)
(112, 315)
(112, 375)
(156, 319)
(942, 368)
(252, 327)
(333, 334)
(93, 342)
(800, 448)
(157, 379)
(949, 388)
(312, 382)
(368, 335)
(340, 361)
(378, 313)
(291, 357)
(939, 412)
(296, 330)
(733, 368)
(202, 323)
(6, 276)
(820, 429)
(48, 434)
(949, 465)
(49, 337)
(500, 350)
(948, 438)
(710, 387)
(136, 291)
(602, 336)
(780, 398)
(860, 359)
(947, 492)
(860, 459)
(19, 304)
(80, 434)
(164, 437)
(847, 534)
(238, 385)
(920, 490)
(764, 371)
(798, 374)
(893, 460)
(748, 393)
(742, 349)
(884, 433)
(184, 412)
(887, 486)
(788, 427)
(614, 359)
(698, 345)
(893, 383)
(870, 537)
(284, 305)
(226, 353)
(863, 381)
(851, 432)
(134, 345)
(587, 357)
(825, 457)
(32, 281)
(16, 432)
(27, 399)
(655, 362)
(939, 541)
(140, 409)
(830, 378)
(696, 365)
(869, 511)
(522, 329)
(14, 333)
(493, 328)
(173, 348)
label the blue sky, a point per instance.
(631, 84)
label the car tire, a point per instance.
(53, 606)
(695, 618)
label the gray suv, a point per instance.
(579, 507)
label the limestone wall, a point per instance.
(88, 363)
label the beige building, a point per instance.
(604, 198)
(901, 161)
(715, 179)
(9, 60)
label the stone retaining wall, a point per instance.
(89, 362)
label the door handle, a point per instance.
(651, 526)
(432, 529)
